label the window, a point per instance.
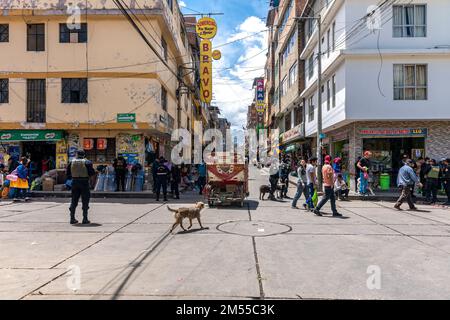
(4, 90)
(36, 100)
(310, 109)
(284, 86)
(293, 74)
(311, 66)
(67, 35)
(328, 42)
(328, 96)
(170, 4)
(276, 96)
(333, 36)
(164, 48)
(74, 90)
(287, 122)
(409, 21)
(164, 98)
(4, 33)
(36, 37)
(285, 18)
(410, 82)
(311, 23)
(333, 91)
(102, 155)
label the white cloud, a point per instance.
(182, 4)
(233, 87)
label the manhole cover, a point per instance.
(254, 228)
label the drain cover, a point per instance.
(254, 228)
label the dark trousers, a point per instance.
(201, 183)
(120, 181)
(273, 186)
(329, 195)
(342, 193)
(406, 195)
(80, 188)
(161, 183)
(174, 187)
(447, 190)
(311, 190)
(356, 183)
(432, 190)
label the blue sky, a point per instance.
(242, 60)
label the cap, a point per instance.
(327, 159)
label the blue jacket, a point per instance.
(22, 171)
(406, 176)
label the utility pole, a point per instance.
(319, 97)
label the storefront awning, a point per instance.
(31, 135)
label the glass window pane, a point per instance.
(421, 94)
(410, 80)
(408, 31)
(398, 32)
(408, 17)
(420, 18)
(420, 31)
(398, 94)
(397, 15)
(410, 94)
(421, 75)
(398, 75)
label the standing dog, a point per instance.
(263, 190)
(190, 213)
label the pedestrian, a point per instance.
(341, 188)
(274, 176)
(446, 179)
(364, 165)
(328, 183)
(301, 184)
(155, 166)
(79, 171)
(175, 181)
(284, 178)
(337, 166)
(311, 181)
(162, 173)
(405, 180)
(201, 176)
(432, 175)
(120, 168)
(357, 173)
(20, 184)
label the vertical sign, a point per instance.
(206, 71)
(260, 105)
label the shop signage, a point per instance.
(102, 144)
(126, 118)
(341, 136)
(88, 144)
(206, 28)
(31, 135)
(217, 55)
(260, 94)
(409, 132)
(206, 71)
(292, 134)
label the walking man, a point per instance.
(328, 183)
(80, 170)
(301, 184)
(311, 179)
(364, 166)
(202, 176)
(406, 180)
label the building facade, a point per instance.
(82, 77)
(383, 86)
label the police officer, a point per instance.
(80, 170)
(162, 175)
(446, 178)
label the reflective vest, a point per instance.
(434, 172)
(79, 169)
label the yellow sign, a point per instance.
(206, 71)
(216, 55)
(260, 107)
(206, 28)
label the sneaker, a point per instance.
(317, 213)
(73, 221)
(305, 206)
(294, 207)
(86, 221)
(337, 215)
(397, 207)
(413, 209)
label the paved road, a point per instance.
(265, 250)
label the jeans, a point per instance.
(329, 195)
(301, 189)
(310, 190)
(432, 190)
(363, 184)
(80, 188)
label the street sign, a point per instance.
(126, 118)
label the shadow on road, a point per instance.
(91, 225)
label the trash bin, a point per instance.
(385, 181)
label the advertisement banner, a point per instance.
(31, 135)
(260, 95)
(206, 71)
(206, 28)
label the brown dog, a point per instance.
(190, 213)
(263, 190)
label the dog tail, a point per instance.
(170, 209)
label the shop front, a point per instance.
(42, 147)
(293, 143)
(388, 146)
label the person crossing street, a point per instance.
(328, 183)
(406, 180)
(79, 171)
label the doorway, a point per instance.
(38, 152)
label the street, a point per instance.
(264, 250)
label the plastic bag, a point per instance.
(315, 198)
(100, 185)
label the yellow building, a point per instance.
(82, 77)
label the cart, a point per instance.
(227, 182)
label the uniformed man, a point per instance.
(162, 175)
(80, 170)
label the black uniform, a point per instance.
(446, 180)
(120, 167)
(162, 173)
(80, 170)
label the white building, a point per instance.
(384, 89)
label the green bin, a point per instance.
(385, 181)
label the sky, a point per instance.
(243, 60)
